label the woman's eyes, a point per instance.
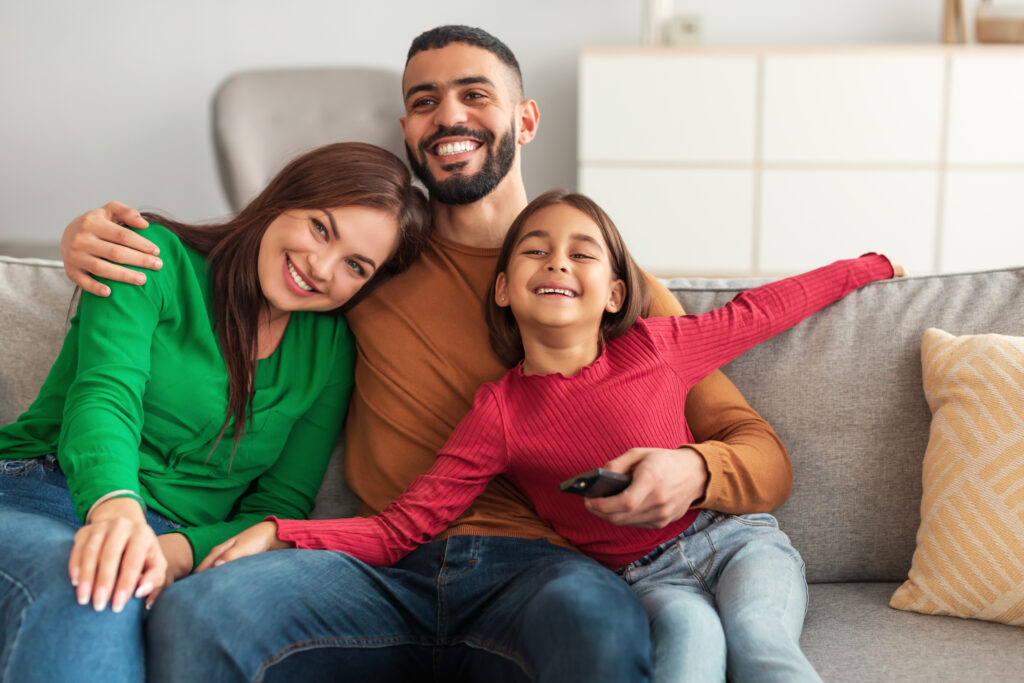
(356, 266)
(320, 228)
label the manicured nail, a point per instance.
(144, 590)
(218, 563)
(149, 605)
(118, 603)
(83, 594)
(100, 601)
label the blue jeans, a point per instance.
(46, 634)
(727, 594)
(467, 608)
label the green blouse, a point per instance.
(138, 394)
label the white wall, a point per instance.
(110, 100)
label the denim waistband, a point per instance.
(702, 521)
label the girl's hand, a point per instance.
(897, 269)
(115, 556)
(178, 552)
(256, 539)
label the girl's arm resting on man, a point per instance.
(289, 487)
(737, 465)
(94, 243)
(473, 455)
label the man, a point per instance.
(498, 596)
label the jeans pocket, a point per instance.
(755, 519)
(19, 467)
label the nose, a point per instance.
(449, 111)
(321, 267)
(558, 262)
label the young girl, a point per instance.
(593, 381)
(183, 411)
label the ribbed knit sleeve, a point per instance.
(473, 455)
(697, 344)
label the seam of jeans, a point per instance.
(499, 650)
(701, 575)
(319, 643)
(23, 589)
(28, 465)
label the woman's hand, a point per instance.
(256, 539)
(96, 241)
(116, 556)
(178, 552)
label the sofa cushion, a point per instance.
(969, 560)
(843, 391)
(851, 635)
(35, 300)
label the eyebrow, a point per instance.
(579, 237)
(458, 82)
(358, 257)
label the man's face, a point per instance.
(460, 122)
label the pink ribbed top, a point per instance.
(538, 430)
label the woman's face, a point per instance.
(316, 259)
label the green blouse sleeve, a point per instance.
(288, 489)
(102, 419)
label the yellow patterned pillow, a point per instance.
(969, 560)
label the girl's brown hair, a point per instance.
(501, 323)
(333, 176)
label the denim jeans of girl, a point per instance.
(729, 594)
(46, 634)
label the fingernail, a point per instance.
(218, 563)
(144, 590)
(83, 594)
(156, 263)
(104, 291)
(140, 279)
(100, 601)
(149, 605)
(118, 603)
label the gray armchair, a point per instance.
(261, 119)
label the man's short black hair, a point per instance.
(442, 36)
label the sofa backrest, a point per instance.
(843, 391)
(35, 298)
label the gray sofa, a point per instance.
(842, 389)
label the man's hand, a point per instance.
(117, 545)
(256, 539)
(666, 482)
(95, 242)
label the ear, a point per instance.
(501, 291)
(618, 296)
(529, 118)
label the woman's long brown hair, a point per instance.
(334, 176)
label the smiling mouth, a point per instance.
(555, 290)
(447, 149)
(297, 278)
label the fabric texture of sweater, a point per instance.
(138, 394)
(538, 430)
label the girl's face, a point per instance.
(316, 259)
(560, 273)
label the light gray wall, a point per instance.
(109, 99)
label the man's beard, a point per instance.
(465, 189)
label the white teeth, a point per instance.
(298, 278)
(552, 290)
(449, 148)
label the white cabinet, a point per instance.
(774, 160)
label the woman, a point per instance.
(181, 412)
